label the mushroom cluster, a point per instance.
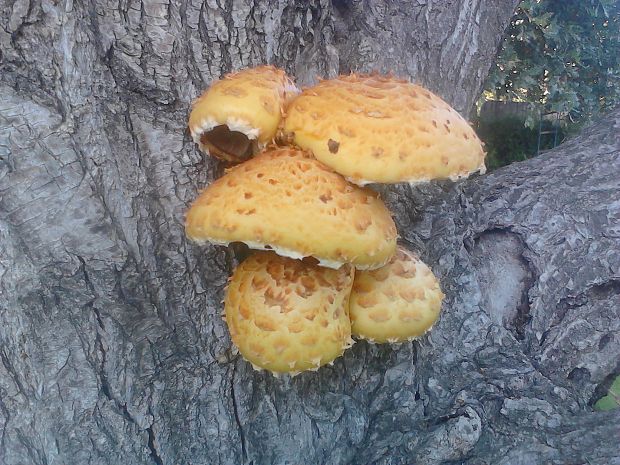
(329, 266)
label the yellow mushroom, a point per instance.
(397, 302)
(288, 316)
(287, 201)
(240, 114)
(378, 129)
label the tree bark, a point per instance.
(111, 345)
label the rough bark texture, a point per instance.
(111, 345)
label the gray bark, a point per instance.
(111, 345)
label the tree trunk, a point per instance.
(111, 345)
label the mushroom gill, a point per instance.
(231, 146)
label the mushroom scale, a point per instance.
(287, 316)
(241, 113)
(396, 303)
(287, 201)
(378, 129)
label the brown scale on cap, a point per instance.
(241, 113)
(299, 332)
(395, 303)
(287, 201)
(378, 129)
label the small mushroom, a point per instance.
(287, 201)
(241, 113)
(287, 316)
(378, 129)
(395, 303)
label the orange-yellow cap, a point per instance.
(378, 129)
(289, 202)
(397, 302)
(288, 316)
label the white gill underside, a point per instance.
(234, 124)
(395, 341)
(333, 264)
(413, 182)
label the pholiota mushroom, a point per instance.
(395, 303)
(378, 129)
(287, 201)
(240, 114)
(288, 316)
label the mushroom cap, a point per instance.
(285, 200)
(249, 102)
(396, 303)
(378, 129)
(288, 316)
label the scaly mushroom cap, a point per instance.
(288, 316)
(287, 201)
(240, 114)
(396, 303)
(377, 129)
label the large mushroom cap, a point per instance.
(396, 303)
(287, 201)
(288, 316)
(377, 129)
(241, 112)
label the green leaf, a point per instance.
(606, 403)
(563, 53)
(612, 399)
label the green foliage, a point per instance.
(612, 399)
(508, 140)
(564, 54)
